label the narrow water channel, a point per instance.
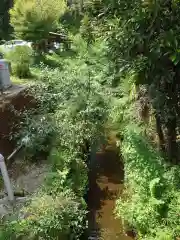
(106, 184)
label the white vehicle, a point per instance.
(11, 45)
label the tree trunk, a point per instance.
(160, 133)
(171, 118)
(172, 148)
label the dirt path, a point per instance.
(106, 184)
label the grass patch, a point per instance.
(17, 80)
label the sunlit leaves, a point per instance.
(33, 20)
(152, 188)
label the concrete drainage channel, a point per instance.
(106, 185)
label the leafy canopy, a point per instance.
(34, 19)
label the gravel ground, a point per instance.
(28, 177)
(25, 177)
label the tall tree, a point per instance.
(4, 18)
(143, 36)
(34, 19)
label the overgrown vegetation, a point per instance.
(123, 68)
(69, 117)
(33, 20)
(143, 45)
(152, 189)
(20, 60)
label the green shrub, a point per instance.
(5, 232)
(50, 217)
(20, 58)
(36, 132)
(152, 188)
(21, 70)
(33, 21)
(72, 109)
(68, 172)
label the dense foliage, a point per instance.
(143, 45)
(33, 20)
(50, 217)
(152, 189)
(143, 37)
(123, 68)
(20, 59)
(151, 194)
(69, 118)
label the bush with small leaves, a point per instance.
(20, 58)
(32, 20)
(152, 189)
(50, 217)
